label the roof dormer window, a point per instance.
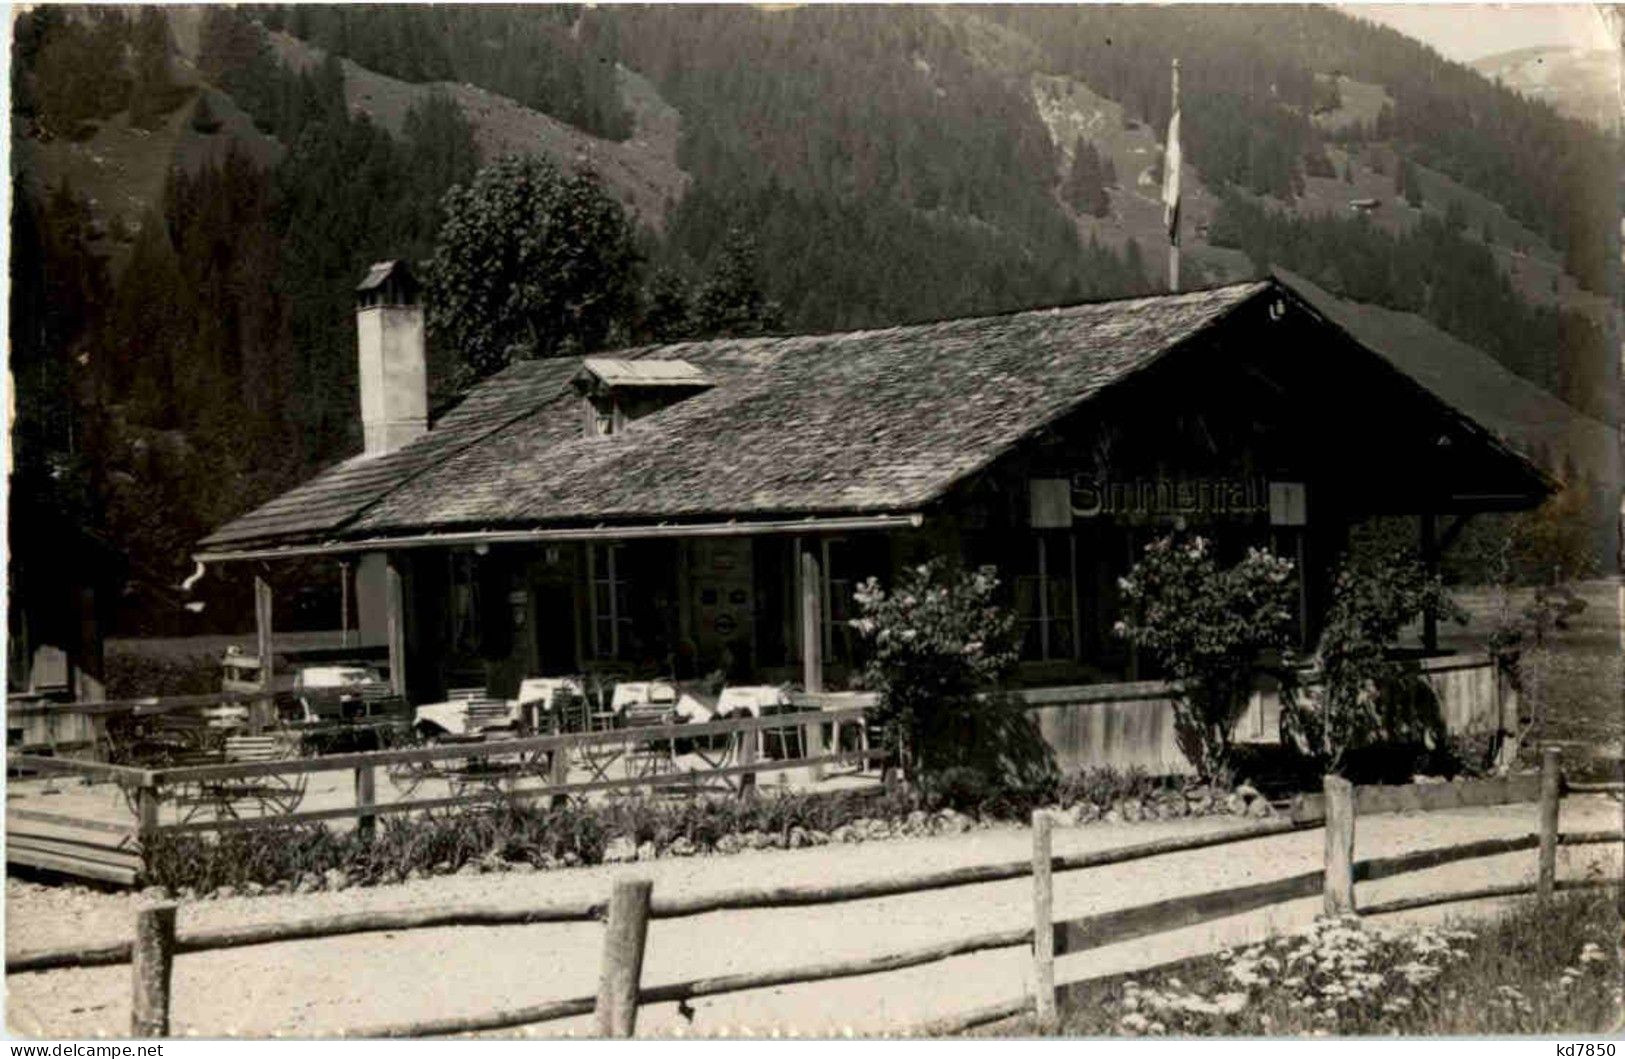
(603, 416)
(616, 391)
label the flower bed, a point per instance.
(514, 836)
(1531, 970)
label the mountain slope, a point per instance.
(1580, 83)
(641, 171)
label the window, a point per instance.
(845, 563)
(609, 597)
(837, 606)
(1046, 598)
(603, 415)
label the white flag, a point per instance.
(1171, 161)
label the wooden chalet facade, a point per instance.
(683, 509)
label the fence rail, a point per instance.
(150, 705)
(675, 908)
(156, 942)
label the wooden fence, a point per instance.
(631, 905)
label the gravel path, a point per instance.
(320, 988)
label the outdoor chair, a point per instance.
(276, 794)
(574, 712)
(648, 705)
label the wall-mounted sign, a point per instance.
(1289, 504)
(1049, 503)
(1168, 497)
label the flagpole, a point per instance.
(1173, 156)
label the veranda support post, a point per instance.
(264, 710)
(624, 935)
(1339, 884)
(1551, 793)
(1043, 924)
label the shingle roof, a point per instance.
(1470, 380)
(321, 506)
(860, 422)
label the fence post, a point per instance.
(624, 936)
(748, 742)
(559, 775)
(1551, 793)
(365, 795)
(146, 811)
(1339, 885)
(152, 958)
(1043, 925)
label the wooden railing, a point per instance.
(551, 756)
(631, 905)
(150, 705)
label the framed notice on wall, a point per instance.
(1288, 504)
(1049, 503)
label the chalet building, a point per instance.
(710, 506)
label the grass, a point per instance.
(1529, 970)
(1576, 685)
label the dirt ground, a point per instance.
(323, 988)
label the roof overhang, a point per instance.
(647, 531)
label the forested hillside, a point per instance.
(194, 202)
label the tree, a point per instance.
(665, 316)
(1085, 188)
(1209, 628)
(730, 302)
(1134, 262)
(153, 92)
(529, 263)
(203, 119)
(1406, 183)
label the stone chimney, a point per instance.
(389, 342)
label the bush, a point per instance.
(509, 831)
(937, 643)
(132, 674)
(1364, 695)
(1208, 628)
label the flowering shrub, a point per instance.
(1337, 974)
(1208, 628)
(1364, 695)
(1534, 968)
(937, 641)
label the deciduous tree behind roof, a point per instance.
(529, 263)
